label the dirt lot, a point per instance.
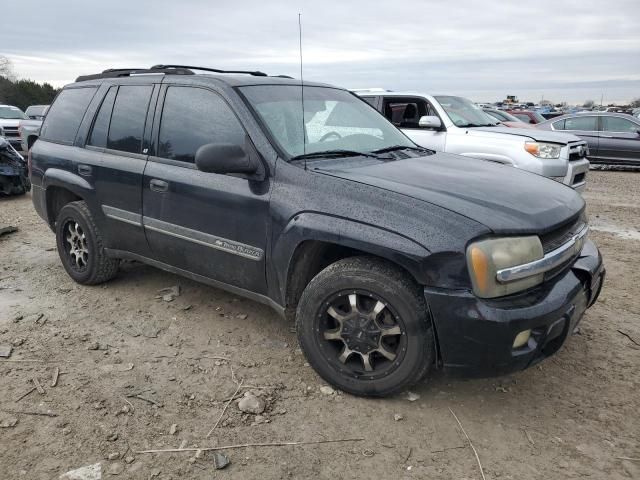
(573, 416)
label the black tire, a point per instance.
(393, 366)
(76, 233)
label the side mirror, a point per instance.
(429, 121)
(225, 158)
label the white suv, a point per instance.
(446, 123)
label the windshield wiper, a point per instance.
(334, 154)
(394, 148)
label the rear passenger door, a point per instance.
(209, 224)
(115, 160)
(619, 139)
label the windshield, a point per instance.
(333, 120)
(12, 113)
(36, 111)
(465, 113)
(539, 118)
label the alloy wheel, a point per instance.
(361, 333)
(75, 243)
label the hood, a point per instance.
(532, 134)
(9, 122)
(521, 125)
(503, 198)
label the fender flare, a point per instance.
(55, 177)
(368, 238)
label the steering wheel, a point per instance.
(326, 136)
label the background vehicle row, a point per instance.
(613, 138)
(452, 124)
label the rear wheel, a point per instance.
(80, 246)
(363, 326)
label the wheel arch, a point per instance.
(312, 241)
(31, 139)
(62, 187)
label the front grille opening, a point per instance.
(560, 236)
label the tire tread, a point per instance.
(106, 268)
(364, 266)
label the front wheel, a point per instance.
(363, 326)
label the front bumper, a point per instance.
(475, 336)
(576, 176)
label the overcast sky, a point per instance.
(569, 50)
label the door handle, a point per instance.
(159, 186)
(84, 170)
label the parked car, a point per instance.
(30, 129)
(506, 119)
(527, 116)
(550, 115)
(36, 112)
(390, 257)
(10, 117)
(456, 125)
(613, 138)
(14, 176)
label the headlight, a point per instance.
(543, 150)
(486, 257)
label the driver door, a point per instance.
(210, 224)
(405, 113)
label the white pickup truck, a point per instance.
(10, 118)
(453, 124)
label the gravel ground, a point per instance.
(137, 372)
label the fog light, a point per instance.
(522, 338)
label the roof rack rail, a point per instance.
(126, 72)
(207, 69)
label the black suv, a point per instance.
(391, 258)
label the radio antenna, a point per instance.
(304, 133)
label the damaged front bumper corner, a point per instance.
(476, 336)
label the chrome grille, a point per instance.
(578, 151)
(11, 132)
(560, 236)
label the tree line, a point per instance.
(22, 93)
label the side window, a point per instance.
(66, 113)
(370, 100)
(128, 118)
(192, 117)
(100, 129)
(559, 125)
(581, 123)
(617, 124)
(407, 112)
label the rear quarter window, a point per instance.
(65, 115)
